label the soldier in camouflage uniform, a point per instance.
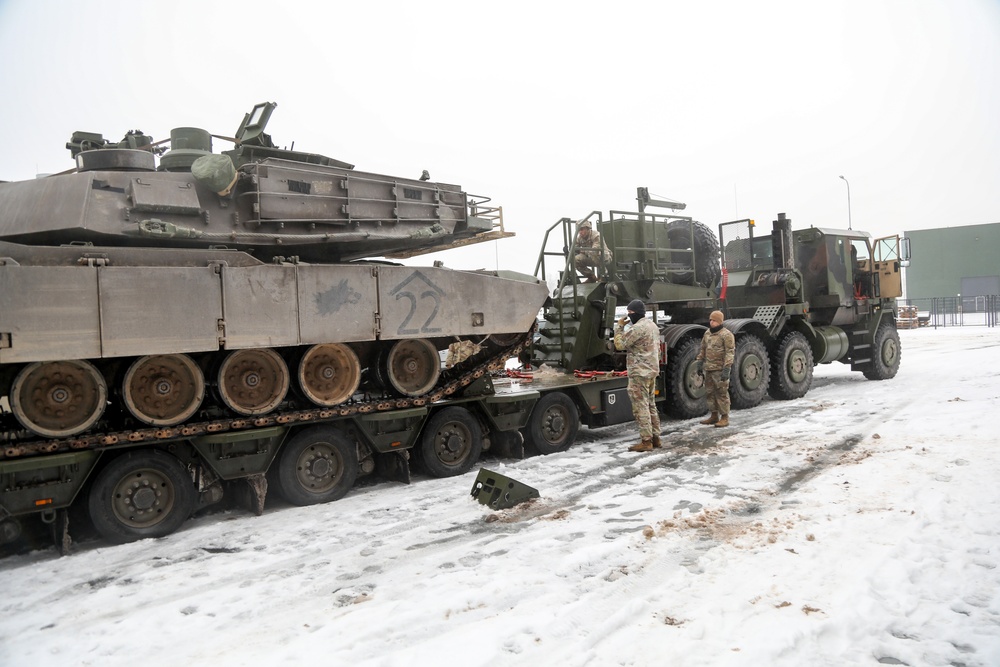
(640, 338)
(715, 360)
(591, 252)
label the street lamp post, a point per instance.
(848, 203)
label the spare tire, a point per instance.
(706, 270)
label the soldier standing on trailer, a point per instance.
(715, 360)
(640, 338)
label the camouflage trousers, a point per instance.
(588, 265)
(642, 393)
(717, 392)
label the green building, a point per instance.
(954, 261)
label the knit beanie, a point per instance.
(637, 307)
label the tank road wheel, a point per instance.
(886, 353)
(141, 494)
(748, 384)
(451, 442)
(253, 382)
(56, 399)
(412, 366)
(329, 374)
(163, 389)
(706, 252)
(317, 465)
(684, 386)
(553, 424)
(791, 367)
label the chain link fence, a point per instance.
(949, 311)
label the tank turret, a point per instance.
(278, 203)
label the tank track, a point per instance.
(452, 380)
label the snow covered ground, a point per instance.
(859, 525)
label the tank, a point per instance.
(159, 281)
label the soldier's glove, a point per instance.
(622, 321)
(725, 373)
(565, 250)
(699, 367)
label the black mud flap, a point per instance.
(507, 444)
(393, 466)
(60, 532)
(258, 492)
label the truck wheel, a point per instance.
(451, 442)
(748, 384)
(317, 465)
(791, 368)
(141, 494)
(885, 353)
(685, 387)
(706, 252)
(553, 424)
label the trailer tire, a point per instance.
(748, 385)
(684, 386)
(886, 353)
(318, 465)
(553, 424)
(706, 252)
(141, 494)
(451, 442)
(791, 368)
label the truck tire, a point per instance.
(748, 383)
(706, 252)
(451, 442)
(791, 367)
(317, 465)
(553, 424)
(146, 493)
(684, 386)
(886, 353)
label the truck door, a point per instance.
(889, 255)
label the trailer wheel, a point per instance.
(706, 252)
(141, 494)
(885, 353)
(684, 386)
(553, 424)
(791, 368)
(451, 442)
(748, 384)
(317, 465)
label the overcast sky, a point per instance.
(739, 109)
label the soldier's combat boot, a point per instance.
(656, 442)
(723, 421)
(711, 420)
(645, 446)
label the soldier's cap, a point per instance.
(585, 224)
(717, 316)
(637, 307)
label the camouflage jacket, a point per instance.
(593, 247)
(642, 344)
(717, 349)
